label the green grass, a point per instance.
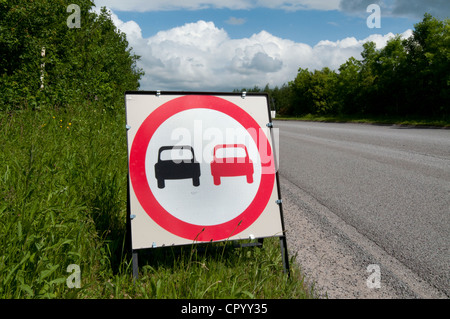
(397, 120)
(63, 177)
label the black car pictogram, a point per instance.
(177, 168)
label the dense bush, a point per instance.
(92, 62)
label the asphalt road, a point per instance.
(365, 194)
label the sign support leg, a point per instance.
(134, 253)
(135, 265)
(285, 256)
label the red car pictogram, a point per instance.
(231, 166)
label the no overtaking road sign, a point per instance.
(201, 168)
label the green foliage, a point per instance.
(63, 184)
(63, 163)
(63, 172)
(281, 99)
(406, 77)
(348, 87)
(428, 62)
(221, 271)
(58, 186)
(93, 62)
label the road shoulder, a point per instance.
(340, 262)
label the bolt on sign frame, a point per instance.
(181, 190)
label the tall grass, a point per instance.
(63, 177)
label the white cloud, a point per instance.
(200, 56)
(163, 5)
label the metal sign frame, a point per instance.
(130, 191)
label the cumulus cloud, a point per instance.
(201, 56)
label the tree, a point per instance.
(348, 87)
(314, 92)
(283, 99)
(92, 62)
(301, 89)
(428, 60)
(390, 78)
(322, 91)
(406, 77)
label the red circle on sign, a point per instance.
(147, 199)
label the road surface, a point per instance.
(357, 197)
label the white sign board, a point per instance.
(201, 168)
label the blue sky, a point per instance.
(308, 27)
(219, 45)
